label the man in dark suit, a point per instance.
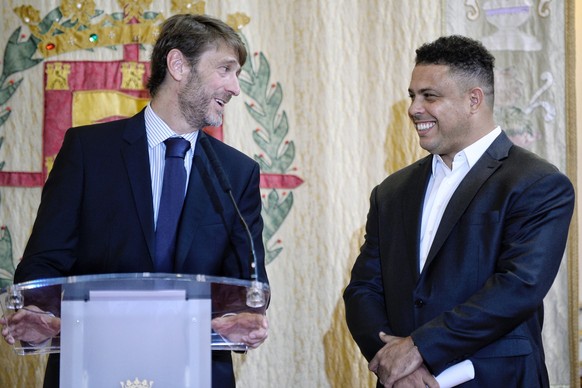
(101, 202)
(462, 246)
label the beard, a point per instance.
(196, 102)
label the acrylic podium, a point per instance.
(149, 328)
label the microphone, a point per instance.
(255, 294)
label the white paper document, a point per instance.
(456, 374)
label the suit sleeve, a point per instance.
(364, 295)
(533, 239)
(50, 251)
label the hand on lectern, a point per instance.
(30, 324)
(248, 328)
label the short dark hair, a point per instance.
(466, 57)
(192, 35)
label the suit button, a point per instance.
(419, 303)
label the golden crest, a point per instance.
(136, 384)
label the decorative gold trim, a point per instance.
(571, 170)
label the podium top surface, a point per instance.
(171, 279)
(233, 304)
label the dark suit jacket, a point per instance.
(494, 257)
(96, 212)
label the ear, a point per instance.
(476, 98)
(177, 64)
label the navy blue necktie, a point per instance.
(171, 203)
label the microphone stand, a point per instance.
(255, 294)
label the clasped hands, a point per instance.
(399, 364)
(34, 326)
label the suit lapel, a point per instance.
(136, 157)
(491, 160)
(412, 203)
(201, 197)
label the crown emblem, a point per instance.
(79, 25)
(136, 384)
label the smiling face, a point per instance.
(210, 86)
(440, 109)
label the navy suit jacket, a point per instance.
(495, 256)
(96, 212)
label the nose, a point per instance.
(233, 86)
(415, 107)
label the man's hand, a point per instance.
(396, 360)
(30, 324)
(420, 378)
(250, 329)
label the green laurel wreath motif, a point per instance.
(270, 137)
(17, 58)
(6, 258)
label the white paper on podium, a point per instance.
(456, 374)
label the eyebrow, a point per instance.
(423, 90)
(229, 61)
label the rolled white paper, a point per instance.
(456, 374)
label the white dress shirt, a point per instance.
(443, 183)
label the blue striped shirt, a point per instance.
(158, 131)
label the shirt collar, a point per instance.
(158, 131)
(473, 152)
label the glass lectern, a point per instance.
(148, 328)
